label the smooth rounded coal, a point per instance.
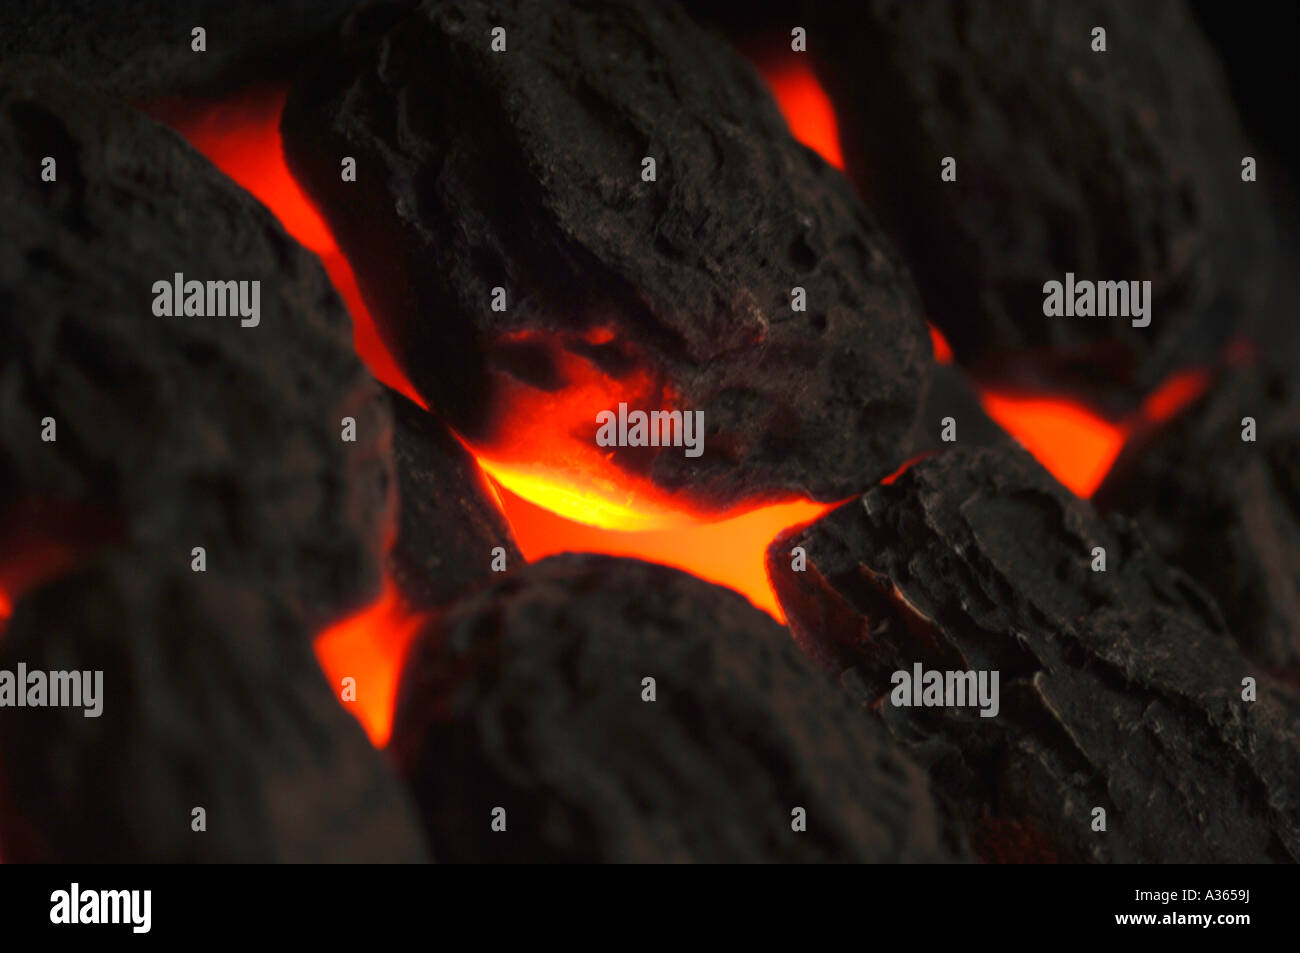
(615, 710)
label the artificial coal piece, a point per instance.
(449, 526)
(1116, 165)
(611, 209)
(603, 709)
(175, 362)
(216, 738)
(1115, 690)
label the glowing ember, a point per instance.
(907, 465)
(942, 352)
(806, 107)
(1077, 446)
(1074, 444)
(370, 647)
(730, 553)
(579, 501)
(543, 447)
(1177, 391)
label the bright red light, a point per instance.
(1177, 391)
(942, 352)
(1074, 444)
(370, 647)
(806, 107)
(544, 473)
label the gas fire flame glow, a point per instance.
(730, 552)
(587, 511)
(557, 504)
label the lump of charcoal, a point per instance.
(951, 394)
(1226, 510)
(1118, 690)
(449, 524)
(185, 430)
(206, 701)
(523, 170)
(1116, 166)
(529, 696)
(148, 52)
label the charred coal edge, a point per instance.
(950, 391)
(1232, 392)
(419, 433)
(844, 598)
(821, 609)
(375, 459)
(1204, 721)
(468, 408)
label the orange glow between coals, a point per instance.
(730, 553)
(1076, 445)
(561, 478)
(543, 445)
(370, 647)
(241, 137)
(806, 107)
(562, 493)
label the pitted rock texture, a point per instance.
(523, 170)
(178, 431)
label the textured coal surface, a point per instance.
(523, 170)
(952, 394)
(1122, 165)
(181, 431)
(1225, 510)
(1118, 689)
(211, 698)
(449, 524)
(143, 50)
(527, 696)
